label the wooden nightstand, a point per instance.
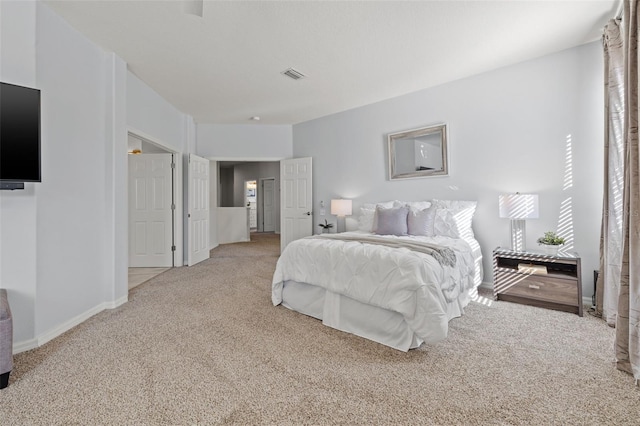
(537, 279)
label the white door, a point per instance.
(150, 210)
(269, 205)
(198, 213)
(296, 219)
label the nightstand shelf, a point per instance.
(538, 279)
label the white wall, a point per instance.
(248, 142)
(509, 131)
(252, 171)
(149, 115)
(18, 208)
(70, 135)
(233, 224)
(60, 252)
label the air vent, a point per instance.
(294, 74)
(193, 7)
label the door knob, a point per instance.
(308, 213)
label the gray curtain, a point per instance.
(612, 214)
(620, 297)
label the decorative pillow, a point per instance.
(421, 221)
(453, 218)
(445, 225)
(384, 205)
(365, 220)
(454, 204)
(391, 221)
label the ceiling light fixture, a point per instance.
(255, 118)
(293, 73)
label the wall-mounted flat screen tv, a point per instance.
(19, 134)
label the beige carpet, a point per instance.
(204, 345)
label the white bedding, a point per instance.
(413, 284)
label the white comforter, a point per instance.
(411, 283)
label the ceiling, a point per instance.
(226, 66)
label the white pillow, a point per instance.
(453, 218)
(418, 205)
(365, 220)
(454, 204)
(384, 205)
(444, 224)
(421, 221)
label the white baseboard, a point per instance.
(118, 302)
(25, 345)
(486, 286)
(66, 326)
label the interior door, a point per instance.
(150, 210)
(269, 205)
(198, 213)
(296, 219)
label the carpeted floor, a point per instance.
(204, 345)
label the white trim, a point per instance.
(151, 139)
(25, 345)
(178, 224)
(116, 303)
(66, 326)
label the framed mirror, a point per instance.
(418, 153)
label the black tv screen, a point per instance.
(19, 133)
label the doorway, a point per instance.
(240, 184)
(267, 204)
(154, 208)
(251, 201)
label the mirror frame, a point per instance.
(394, 138)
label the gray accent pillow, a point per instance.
(421, 221)
(391, 221)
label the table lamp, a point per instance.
(341, 208)
(518, 207)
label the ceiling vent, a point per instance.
(294, 74)
(193, 7)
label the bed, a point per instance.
(408, 269)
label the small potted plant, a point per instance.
(550, 243)
(326, 226)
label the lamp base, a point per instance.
(518, 233)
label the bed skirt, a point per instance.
(345, 314)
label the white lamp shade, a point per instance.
(341, 207)
(519, 206)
